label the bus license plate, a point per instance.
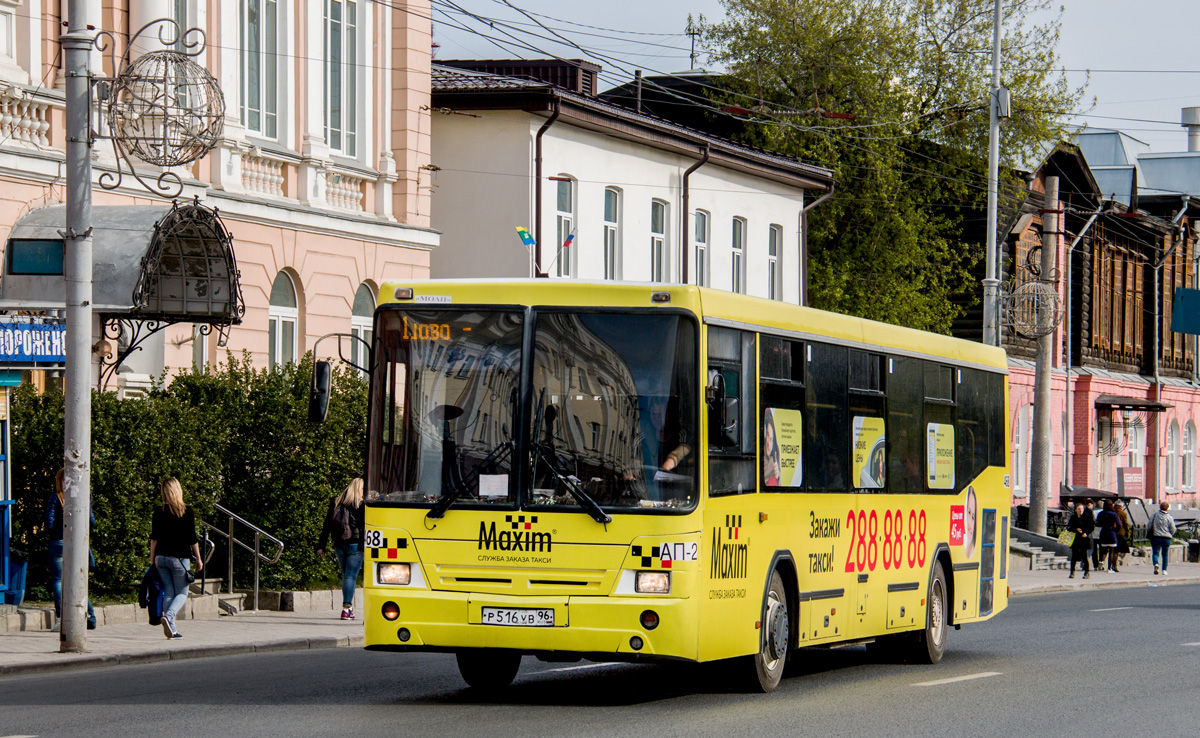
(513, 616)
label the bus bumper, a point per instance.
(448, 621)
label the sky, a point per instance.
(1143, 68)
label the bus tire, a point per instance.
(775, 640)
(931, 643)
(488, 668)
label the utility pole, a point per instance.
(1039, 473)
(693, 32)
(77, 268)
(991, 284)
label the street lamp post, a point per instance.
(77, 270)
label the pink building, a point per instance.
(321, 175)
(1125, 403)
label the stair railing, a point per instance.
(232, 540)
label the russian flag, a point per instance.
(570, 238)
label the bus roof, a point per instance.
(714, 307)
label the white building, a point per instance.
(632, 188)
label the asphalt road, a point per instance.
(1090, 663)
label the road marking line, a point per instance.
(1111, 609)
(18, 736)
(576, 668)
(939, 682)
(1191, 644)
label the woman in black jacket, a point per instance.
(345, 522)
(1082, 525)
(173, 544)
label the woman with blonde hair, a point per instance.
(345, 521)
(173, 545)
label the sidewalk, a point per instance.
(1137, 572)
(140, 643)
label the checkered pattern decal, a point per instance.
(392, 552)
(650, 557)
(733, 526)
(521, 522)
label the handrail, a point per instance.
(259, 534)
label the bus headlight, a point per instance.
(652, 582)
(394, 573)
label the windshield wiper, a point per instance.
(452, 482)
(572, 485)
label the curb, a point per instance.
(1060, 588)
(84, 661)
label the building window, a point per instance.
(1020, 442)
(739, 255)
(341, 78)
(360, 326)
(1136, 435)
(701, 241)
(1188, 477)
(566, 227)
(774, 277)
(658, 241)
(612, 232)
(281, 322)
(200, 346)
(259, 66)
(1172, 463)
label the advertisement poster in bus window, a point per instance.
(940, 456)
(869, 464)
(781, 448)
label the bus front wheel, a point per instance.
(487, 668)
(775, 640)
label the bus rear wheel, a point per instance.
(775, 639)
(931, 643)
(488, 668)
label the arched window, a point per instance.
(1188, 463)
(658, 241)
(565, 208)
(361, 325)
(1172, 476)
(774, 276)
(612, 232)
(282, 317)
(700, 238)
(738, 266)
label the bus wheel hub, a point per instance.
(777, 633)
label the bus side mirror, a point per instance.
(723, 412)
(318, 393)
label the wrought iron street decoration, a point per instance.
(188, 275)
(162, 108)
(1034, 308)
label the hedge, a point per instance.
(236, 435)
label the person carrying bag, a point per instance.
(344, 522)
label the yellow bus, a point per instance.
(625, 472)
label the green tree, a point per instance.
(892, 96)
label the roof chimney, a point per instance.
(1191, 121)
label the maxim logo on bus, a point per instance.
(518, 536)
(729, 554)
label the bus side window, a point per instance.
(997, 454)
(731, 442)
(905, 397)
(940, 442)
(826, 429)
(868, 425)
(781, 394)
(971, 427)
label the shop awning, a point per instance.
(1121, 402)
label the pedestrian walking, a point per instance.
(344, 522)
(173, 545)
(1081, 524)
(1107, 521)
(1090, 509)
(54, 524)
(1125, 532)
(1162, 530)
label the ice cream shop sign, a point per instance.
(32, 345)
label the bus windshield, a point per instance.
(444, 406)
(614, 409)
(611, 420)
